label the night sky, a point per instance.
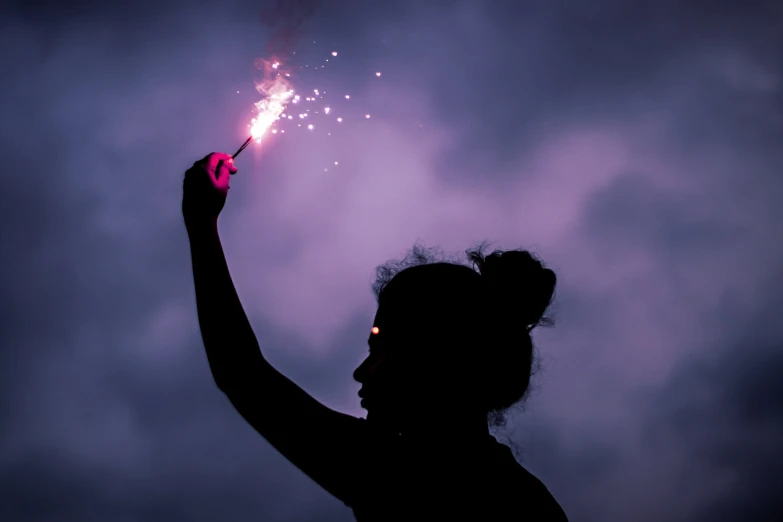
(635, 146)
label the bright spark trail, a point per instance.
(277, 93)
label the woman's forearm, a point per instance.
(231, 346)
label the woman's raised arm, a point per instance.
(330, 447)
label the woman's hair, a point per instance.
(507, 294)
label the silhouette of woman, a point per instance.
(449, 348)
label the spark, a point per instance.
(310, 126)
(336, 163)
(367, 116)
(347, 96)
(334, 53)
(377, 74)
(339, 120)
(326, 110)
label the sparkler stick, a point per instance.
(243, 147)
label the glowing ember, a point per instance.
(375, 330)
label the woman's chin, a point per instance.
(379, 416)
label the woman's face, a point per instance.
(414, 366)
(399, 377)
(386, 389)
(370, 373)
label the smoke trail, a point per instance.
(286, 18)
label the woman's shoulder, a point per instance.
(521, 487)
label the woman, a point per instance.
(449, 348)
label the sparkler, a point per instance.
(276, 91)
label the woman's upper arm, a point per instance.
(330, 447)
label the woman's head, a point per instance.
(448, 336)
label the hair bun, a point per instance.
(519, 283)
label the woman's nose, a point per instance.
(360, 373)
(369, 366)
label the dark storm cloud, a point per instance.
(634, 145)
(726, 411)
(529, 67)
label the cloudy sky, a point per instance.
(635, 146)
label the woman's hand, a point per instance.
(206, 187)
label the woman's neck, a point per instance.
(457, 428)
